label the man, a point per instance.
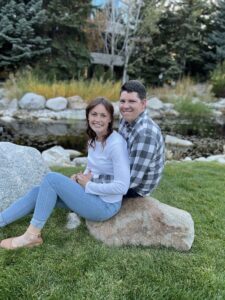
(144, 140)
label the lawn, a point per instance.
(71, 264)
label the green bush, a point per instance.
(218, 80)
(187, 108)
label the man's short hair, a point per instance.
(134, 86)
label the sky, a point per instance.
(101, 2)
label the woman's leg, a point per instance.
(73, 196)
(20, 208)
(55, 185)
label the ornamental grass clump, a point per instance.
(27, 81)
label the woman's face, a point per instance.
(99, 120)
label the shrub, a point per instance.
(218, 80)
(187, 108)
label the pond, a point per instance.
(207, 136)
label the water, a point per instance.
(71, 135)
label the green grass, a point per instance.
(73, 265)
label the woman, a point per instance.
(95, 195)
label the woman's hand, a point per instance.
(83, 179)
(74, 177)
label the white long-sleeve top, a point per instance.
(110, 167)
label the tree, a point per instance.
(117, 24)
(215, 52)
(152, 59)
(20, 43)
(66, 27)
(175, 47)
(188, 38)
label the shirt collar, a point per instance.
(132, 124)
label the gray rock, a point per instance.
(21, 168)
(76, 102)
(177, 146)
(56, 156)
(73, 221)
(4, 103)
(32, 101)
(80, 161)
(172, 140)
(57, 104)
(154, 103)
(12, 108)
(147, 222)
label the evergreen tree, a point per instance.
(153, 59)
(66, 28)
(175, 49)
(188, 38)
(215, 52)
(19, 42)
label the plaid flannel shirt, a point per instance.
(146, 151)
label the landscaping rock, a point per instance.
(147, 222)
(73, 221)
(154, 103)
(12, 108)
(177, 147)
(76, 102)
(21, 168)
(56, 156)
(80, 162)
(57, 104)
(4, 103)
(172, 140)
(32, 101)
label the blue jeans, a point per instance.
(61, 191)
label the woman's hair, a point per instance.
(109, 108)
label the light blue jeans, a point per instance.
(57, 190)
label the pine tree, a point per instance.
(215, 52)
(19, 42)
(66, 22)
(176, 48)
(190, 34)
(153, 61)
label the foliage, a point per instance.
(185, 87)
(28, 82)
(215, 52)
(69, 57)
(194, 110)
(71, 264)
(20, 40)
(218, 80)
(175, 45)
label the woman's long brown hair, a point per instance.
(109, 108)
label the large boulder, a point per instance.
(32, 101)
(147, 222)
(21, 168)
(57, 104)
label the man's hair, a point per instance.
(134, 86)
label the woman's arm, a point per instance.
(121, 173)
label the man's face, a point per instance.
(131, 106)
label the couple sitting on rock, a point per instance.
(125, 164)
